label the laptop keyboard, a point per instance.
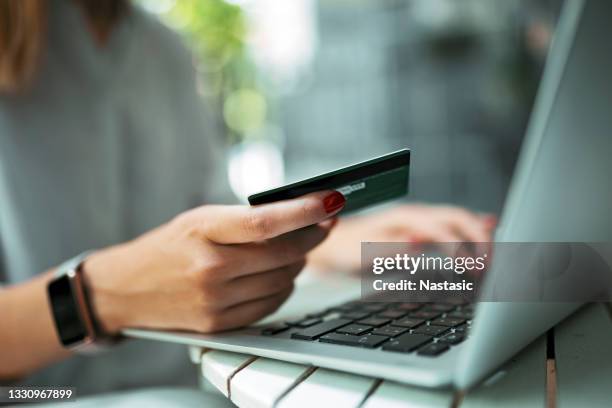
(428, 329)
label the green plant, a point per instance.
(218, 31)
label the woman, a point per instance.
(105, 145)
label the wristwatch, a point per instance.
(75, 320)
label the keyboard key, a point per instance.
(316, 331)
(293, 322)
(373, 307)
(374, 321)
(452, 338)
(425, 314)
(318, 314)
(342, 308)
(408, 307)
(448, 321)
(439, 307)
(461, 314)
(433, 349)
(367, 341)
(303, 323)
(462, 329)
(408, 322)
(331, 315)
(309, 322)
(389, 331)
(406, 343)
(457, 302)
(356, 329)
(356, 315)
(392, 314)
(431, 330)
(275, 329)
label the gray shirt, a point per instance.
(106, 144)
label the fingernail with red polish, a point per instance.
(333, 202)
(490, 220)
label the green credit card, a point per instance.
(363, 184)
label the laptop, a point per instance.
(560, 192)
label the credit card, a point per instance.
(363, 184)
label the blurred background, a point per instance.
(305, 86)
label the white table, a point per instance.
(582, 379)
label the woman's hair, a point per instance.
(23, 25)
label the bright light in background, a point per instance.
(244, 110)
(281, 40)
(449, 15)
(243, 46)
(254, 167)
(157, 6)
(282, 35)
(240, 3)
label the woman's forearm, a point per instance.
(28, 340)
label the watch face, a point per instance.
(68, 321)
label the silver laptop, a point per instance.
(561, 191)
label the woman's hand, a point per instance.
(415, 223)
(212, 268)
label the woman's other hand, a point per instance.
(416, 223)
(211, 268)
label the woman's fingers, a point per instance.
(246, 313)
(437, 232)
(447, 224)
(240, 224)
(263, 284)
(469, 226)
(255, 257)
